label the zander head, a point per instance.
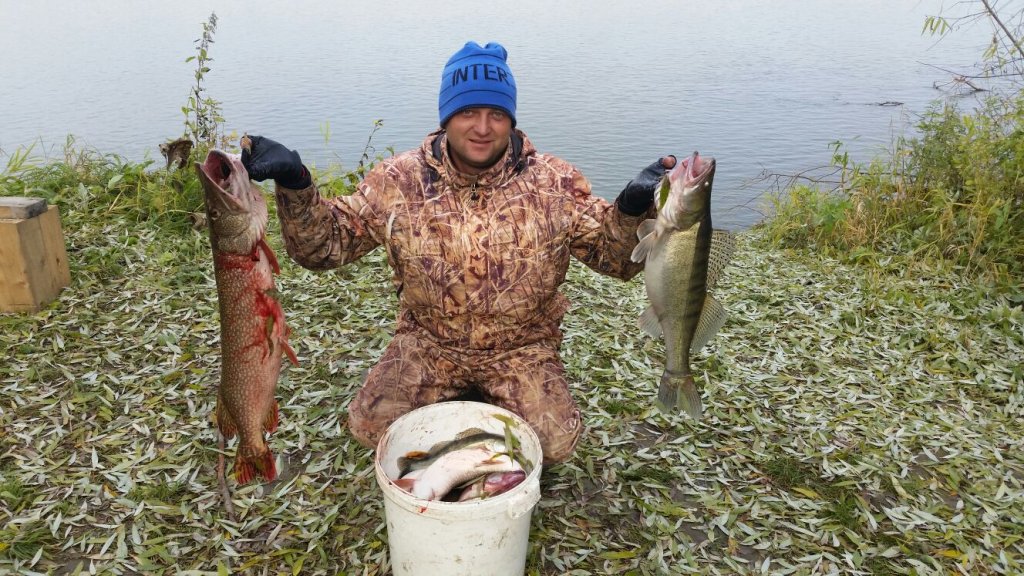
(685, 191)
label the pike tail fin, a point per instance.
(679, 391)
(248, 467)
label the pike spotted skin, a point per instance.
(683, 257)
(253, 333)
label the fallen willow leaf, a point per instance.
(851, 416)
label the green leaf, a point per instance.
(663, 193)
(620, 555)
(807, 492)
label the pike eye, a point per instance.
(214, 213)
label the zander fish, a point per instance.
(683, 258)
(253, 333)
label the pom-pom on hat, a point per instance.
(477, 76)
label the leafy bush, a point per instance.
(87, 183)
(955, 193)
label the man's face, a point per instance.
(477, 138)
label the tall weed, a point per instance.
(89, 185)
(335, 179)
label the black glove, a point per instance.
(638, 195)
(268, 159)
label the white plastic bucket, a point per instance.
(433, 538)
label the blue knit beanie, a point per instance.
(477, 76)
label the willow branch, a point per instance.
(992, 13)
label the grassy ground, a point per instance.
(858, 421)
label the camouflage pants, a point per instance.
(414, 372)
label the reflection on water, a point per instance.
(762, 86)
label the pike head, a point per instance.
(235, 209)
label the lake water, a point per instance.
(764, 86)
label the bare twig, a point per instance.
(1009, 35)
(813, 176)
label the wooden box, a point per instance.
(33, 261)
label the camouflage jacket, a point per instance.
(476, 261)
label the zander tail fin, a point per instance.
(679, 391)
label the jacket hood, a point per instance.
(435, 152)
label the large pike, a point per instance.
(253, 333)
(683, 259)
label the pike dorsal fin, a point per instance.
(649, 322)
(645, 232)
(723, 244)
(712, 316)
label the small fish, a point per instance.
(492, 485)
(453, 469)
(683, 259)
(472, 437)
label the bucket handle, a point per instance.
(523, 502)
